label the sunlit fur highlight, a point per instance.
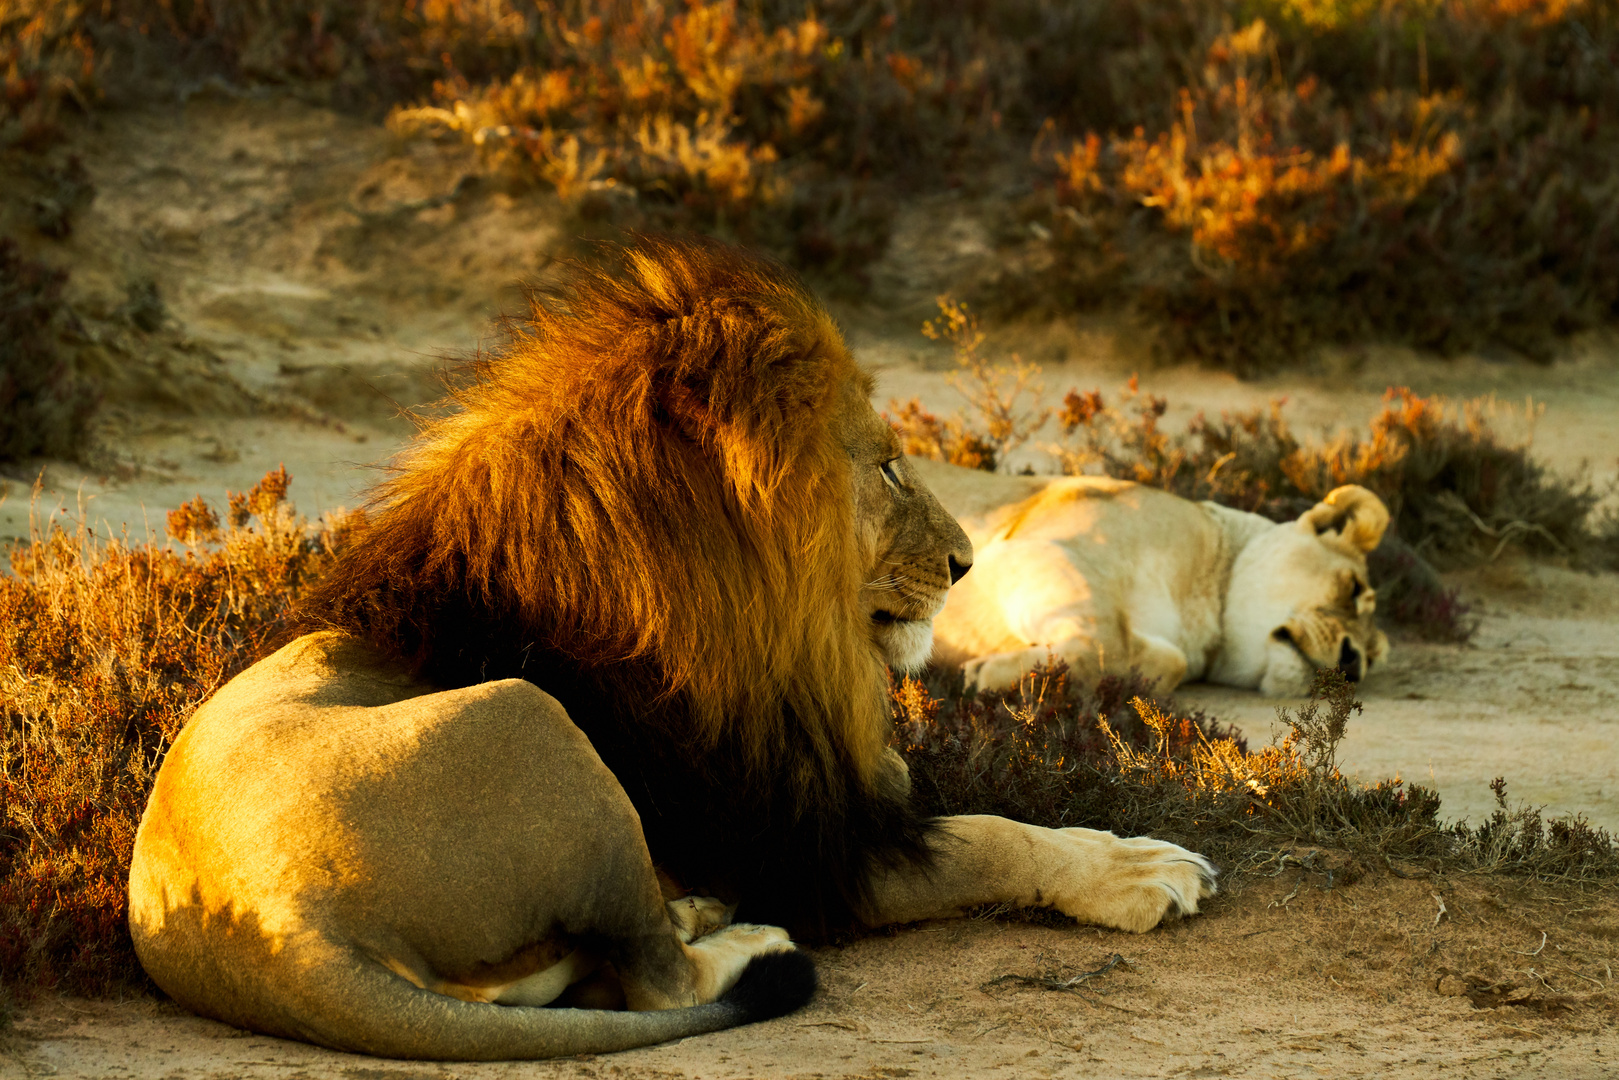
(648, 471)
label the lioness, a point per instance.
(1110, 575)
(634, 598)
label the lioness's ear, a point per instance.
(1355, 513)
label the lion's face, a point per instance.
(1300, 599)
(912, 547)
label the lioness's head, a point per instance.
(1299, 598)
(912, 546)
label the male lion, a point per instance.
(630, 606)
(1109, 575)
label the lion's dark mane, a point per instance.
(640, 507)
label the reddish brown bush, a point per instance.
(1255, 177)
(105, 649)
(1440, 174)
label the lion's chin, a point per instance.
(905, 643)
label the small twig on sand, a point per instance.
(1288, 899)
(1442, 911)
(1542, 945)
(1046, 1034)
(1051, 982)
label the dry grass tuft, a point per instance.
(1119, 759)
(106, 647)
(1004, 397)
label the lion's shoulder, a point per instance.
(321, 670)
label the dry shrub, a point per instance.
(44, 402)
(1439, 174)
(1035, 753)
(761, 122)
(995, 393)
(46, 60)
(1119, 759)
(106, 647)
(1257, 176)
(1457, 493)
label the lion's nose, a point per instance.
(958, 569)
(1349, 661)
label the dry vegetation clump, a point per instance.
(106, 647)
(1300, 171)
(1256, 176)
(46, 60)
(769, 123)
(1457, 493)
(1119, 759)
(1003, 397)
(43, 402)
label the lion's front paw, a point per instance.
(1131, 884)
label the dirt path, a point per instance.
(304, 260)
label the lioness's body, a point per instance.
(669, 506)
(334, 852)
(1112, 576)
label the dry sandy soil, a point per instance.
(312, 270)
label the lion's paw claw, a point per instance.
(1137, 882)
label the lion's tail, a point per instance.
(386, 1016)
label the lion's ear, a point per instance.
(1353, 512)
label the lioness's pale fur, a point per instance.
(630, 605)
(1110, 575)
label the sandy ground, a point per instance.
(313, 271)
(1293, 976)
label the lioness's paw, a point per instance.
(1132, 884)
(998, 671)
(695, 916)
(720, 957)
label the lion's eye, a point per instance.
(1356, 590)
(889, 472)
